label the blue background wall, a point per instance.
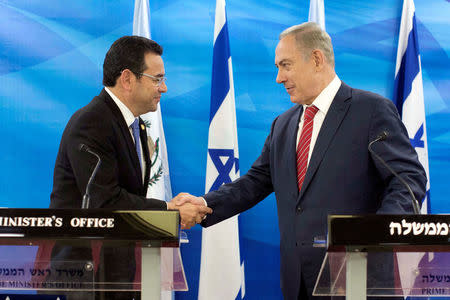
(51, 55)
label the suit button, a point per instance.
(299, 209)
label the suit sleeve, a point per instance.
(106, 192)
(398, 153)
(243, 193)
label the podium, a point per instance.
(386, 255)
(72, 252)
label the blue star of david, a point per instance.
(417, 142)
(223, 169)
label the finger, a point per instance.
(179, 202)
(182, 199)
(189, 219)
(199, 219)
(198, 201)
(205, 210)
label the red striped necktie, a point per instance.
(303, 144)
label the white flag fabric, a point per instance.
(159, 186)
(141, 19)
(408, 97)
(317, 12)
(220, 270)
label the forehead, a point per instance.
(286, 49)
(154, 63)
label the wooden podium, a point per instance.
(386, 255)
(75, 250)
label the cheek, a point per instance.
(300, 80)
(149, 91)
(154, 90)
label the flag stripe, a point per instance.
(409, 68)
(220, 84)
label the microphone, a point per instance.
(381, 137)
(87, 196)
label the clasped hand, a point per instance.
(192, 209)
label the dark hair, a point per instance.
(127, 53)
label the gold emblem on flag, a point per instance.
(151, 146)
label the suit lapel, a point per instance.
(144, 141)
(333, 119)
(125, 131)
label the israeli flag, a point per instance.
(408, 89)
(221, 275)
(409, 100)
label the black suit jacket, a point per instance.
(118, 183)
(342, 178)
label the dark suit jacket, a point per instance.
(342, 178)
(118, 183)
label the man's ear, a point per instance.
(126, 79)
(318, 58)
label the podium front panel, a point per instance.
(388, 274)
(87, 251)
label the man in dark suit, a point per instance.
(110, 126)
(133, 76)
(316, 159)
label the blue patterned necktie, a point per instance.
(137, 141)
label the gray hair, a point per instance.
(310, 36)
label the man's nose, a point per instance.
(163, 87)
(280, 78)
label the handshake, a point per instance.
(192, 209)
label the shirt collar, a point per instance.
(126, 112)
(323, 101)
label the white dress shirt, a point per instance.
(129, 119)
(322, 102)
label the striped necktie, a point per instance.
(303, 144)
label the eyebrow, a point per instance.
(283, 61)
(158, 75)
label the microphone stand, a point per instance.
(87, 196)
(382, 137)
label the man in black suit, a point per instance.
(134, 80)
(133, 76)
(316, 159)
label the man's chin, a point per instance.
(295, 100)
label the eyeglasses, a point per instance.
(157, 80)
